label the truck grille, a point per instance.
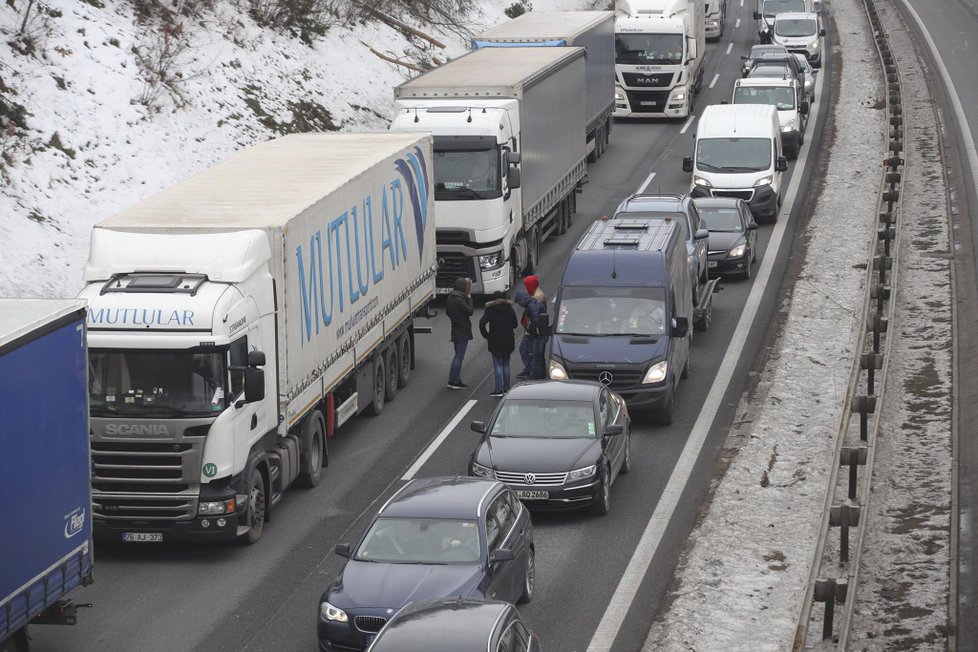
(144, 508)
(620, 378)
(539, 479)
(453, 266)
(746, 195)
(369, 624)
(651, 80)
(647, 101)
(141, 467)
(452, 238)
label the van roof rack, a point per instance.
(631, 225)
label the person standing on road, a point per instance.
(497, 325)
(531, 282)
(459, 309)
(533, 309)
(541, 333)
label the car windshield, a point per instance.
(783, 97)
(775, 7)
(721, 220)
(421, 541)
(467, 174)
(157, 383)
(733, 154)
(793, 27)
(641, 49)
(612, 311)
(540, 418)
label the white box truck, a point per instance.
(239, 317)
(508, 127)
(592, 30)
(660, 57)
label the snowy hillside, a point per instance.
(87, 128)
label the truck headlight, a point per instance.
(656, 373)
(580, 474)
(557, 371)
(737, 251)
(765, 181)
(679, 95)
(215, 508)
(490, 262)
(702, 183)
(329, 612)
(482, 471)
(619, 95)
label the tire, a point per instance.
(404, 357)
(562, 218)
(314, 438)
(533, 251)
(685, 373)
(257, 509)
(379, 384)
(529, 577)
(747, 272)
(626, 464)
(16, 643)
(603, 504)
(514, 273)
(392, 363)
(664, 417)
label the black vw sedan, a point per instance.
(557, 444)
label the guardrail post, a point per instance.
(871, 362)
(844, 517)
(829, 591)
(881, 264)
(864, 405)
(853, 457)
(877, 325)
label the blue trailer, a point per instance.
(45, 486)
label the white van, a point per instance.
(785, 96)
(800, 32)
(738, 153)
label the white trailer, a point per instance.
(510, 152)
(660, 57)
(238, 318)
(592, 30)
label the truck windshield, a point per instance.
(733, 154)
(612, 311)
(783, 97)
(795, 27)
(157, 383)
(467, 174)
(655, 49)
(774, 7)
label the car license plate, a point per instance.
(142, 537)
(532, 495)
(711, 263)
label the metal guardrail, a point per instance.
(835, 569)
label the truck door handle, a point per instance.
(254, 421)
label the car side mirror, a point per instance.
(781, 165)
(743, 57)
(724, 102)
(614, 429)
(513, 178)
(804, 107)
(501, 554)
(688, 164)
(821, 32)
(343, 550)
(254, 384)
(681, 329)
(757, 15)
(478, 426)
(701, 234)
(752, 226)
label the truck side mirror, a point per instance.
(781, 165)
(513, 179)
(256, 358)
(687, 164)
(681, 329)
(513, 158)
(254, 389)
(804, 107)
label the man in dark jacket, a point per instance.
(535, 334)
(497, 325)
(531, 283)
(459, 309)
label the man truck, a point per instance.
(46, 536)
(509, 139)
(239, 317)
(592, 30)
(660, 57)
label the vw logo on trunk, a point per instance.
(605, 377)
(529, 478)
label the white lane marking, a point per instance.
(688, 122)
(741, 3)
(645, 185)
(737, 24)
(729, 47)
(715, 78)
(638, 565)
(442, 436)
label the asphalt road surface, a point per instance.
(265, 597)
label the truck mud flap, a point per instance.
(703, 311)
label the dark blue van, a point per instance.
(623, 312)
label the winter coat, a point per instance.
(532, 309)
(459, 309)
(497, 325)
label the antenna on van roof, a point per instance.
(614, 262)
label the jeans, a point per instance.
(455, 373)
(500, 369)
(538, 350)
(526, 355)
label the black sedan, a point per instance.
(434, 538)
(453, 624)
(557, 444)
(757, 51)
(733, 235)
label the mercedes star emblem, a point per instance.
(530, 478)
(605, 377)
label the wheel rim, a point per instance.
(257, 511)
(606, 493)
(530, 574)
(628, 452)
(405, 359)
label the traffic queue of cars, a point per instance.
(445, 559)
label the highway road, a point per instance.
(265, 597)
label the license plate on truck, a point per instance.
(442, 290)
(524, 494)
(142, 537)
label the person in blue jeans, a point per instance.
(534, 335)
(497, 325)
(459, 309)
(531, 283)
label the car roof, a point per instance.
(652, 202)
(555, 390)
(768, 47)
(717, 202)
(442, 624)
(445, 497)
(796, 15)
(773, 57)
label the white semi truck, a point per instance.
(592, 30)
(239, 317)
(509, 139)
(660, 57)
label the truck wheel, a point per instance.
(533, 250)
(404, 357)
(314, 443)
(257, 506)
(514, 272)
(379, 386)
(17, 642)
(393, 363)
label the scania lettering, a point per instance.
(237, 319)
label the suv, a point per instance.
(778, 65)
(645, 206)
(757, 51)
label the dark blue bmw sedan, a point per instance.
(435, 537)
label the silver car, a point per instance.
(809, 77)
